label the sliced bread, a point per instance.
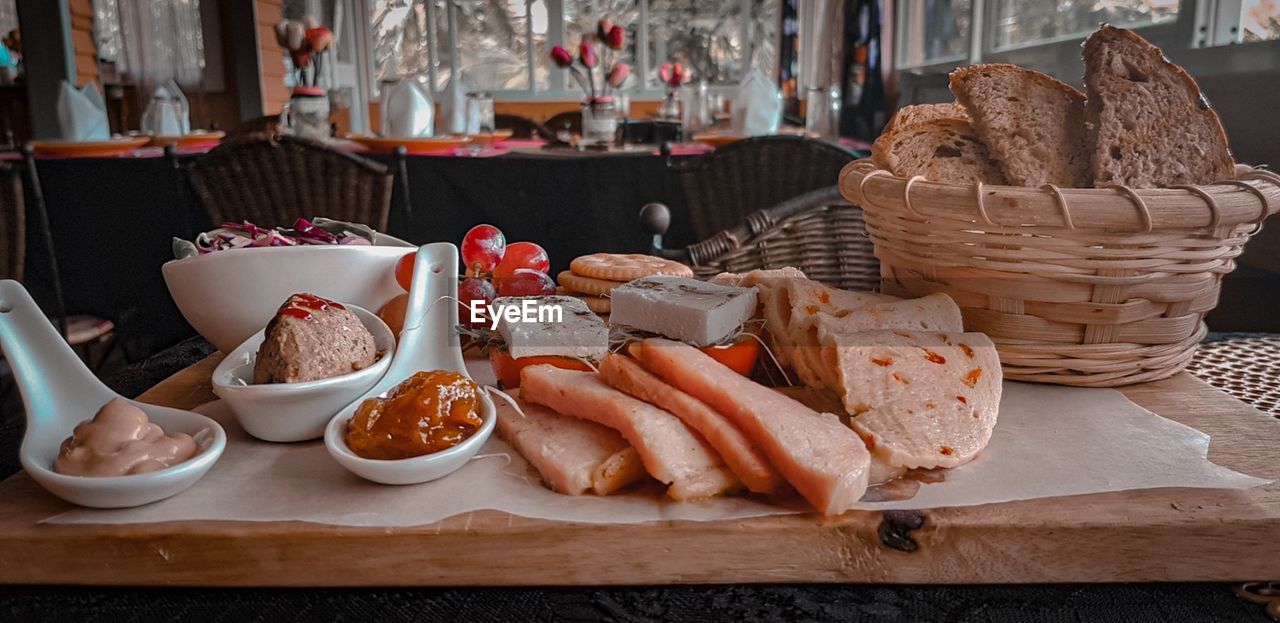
(1032, 123)
(935, 141)
(1149, 125)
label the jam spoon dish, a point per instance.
(59, 392)
(427, 342)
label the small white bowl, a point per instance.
(414, 470)
(296, 411)
(134, 489)
(229, 295)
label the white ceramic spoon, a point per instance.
(427, 342)
(58, 392)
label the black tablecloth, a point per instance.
(1162, 603)
(113, 220)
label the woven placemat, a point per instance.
(1246, 368)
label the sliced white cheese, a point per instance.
(684, 309)
(538, 330)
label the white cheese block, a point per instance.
(688, 310)
(538, 330)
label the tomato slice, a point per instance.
(739, 356)
(507, 368)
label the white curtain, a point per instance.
(160, 40)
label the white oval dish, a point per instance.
(427, 342)
(59, 392)
(285, 412)
(229, 295)
(414, 470)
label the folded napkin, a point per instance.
(407, 111)
(82, 115)
(757, 107)
(167, 114)
(457, 116)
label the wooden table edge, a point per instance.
(1158, 535)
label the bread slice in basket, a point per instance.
(935, 141)
(1149, 125)
(1032, 123)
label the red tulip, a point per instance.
(603, 27)
(561, 57)
(615, 37)
(587, 55)
(674, 74)
(320, 38)
(619, 74)
(300, 59)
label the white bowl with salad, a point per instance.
(229, 282)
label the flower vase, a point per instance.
(306, 114)
(669, 109)
(599, 121)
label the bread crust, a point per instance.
(938, 122)
(1072, 169)
(1224, 166)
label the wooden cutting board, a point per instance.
(1153, 535)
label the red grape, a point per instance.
(527, 282)
(521, 255)
(477, 292)
(482, 249)
(404, 270)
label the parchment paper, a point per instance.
(1049, 441)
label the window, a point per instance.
(933, 31)
(503, 45)
(151, 42)
(1024, 22)
(720, 41)
(1259, 20)
(939, 34)
(1229, 22)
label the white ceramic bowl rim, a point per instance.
(379, 329)
(382, 240)
(210, 450)
(477, 438)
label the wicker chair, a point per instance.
(819, 232)
(274, 180)
(722, 187)
(522, 127)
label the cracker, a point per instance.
(597, 304)
(625, 267)
(586, 285)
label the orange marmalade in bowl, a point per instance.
(428, 412)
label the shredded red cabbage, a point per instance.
(232, 235)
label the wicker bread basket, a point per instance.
(1090, 287)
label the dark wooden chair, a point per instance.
(269, 124)
(651, 131)
(13, 225)
(92, 337)
(522, 127)
(272, 180)
(819, 232)
(569, 121)
(722, 187)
